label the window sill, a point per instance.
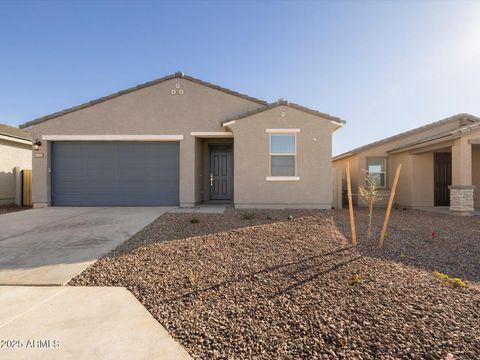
(282, 178)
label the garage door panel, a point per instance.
(115, 173)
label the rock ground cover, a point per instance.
(432, 241)
(228, 287)
(11, 208)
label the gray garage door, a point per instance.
(114, 173)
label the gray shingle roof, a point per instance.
(14, 132)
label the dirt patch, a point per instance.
(4, 209)
(273, 288)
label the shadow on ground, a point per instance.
(454, 249)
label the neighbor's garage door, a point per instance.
(114, 173)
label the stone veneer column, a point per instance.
(461, 190)
(461, 198)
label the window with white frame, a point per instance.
(283, 152)
(377, 170)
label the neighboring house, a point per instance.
(440, 164)
(15, 152)
(181, 141)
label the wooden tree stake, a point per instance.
(350, 206)
(370, 219)
(389, 207)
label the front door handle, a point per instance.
(211, 179)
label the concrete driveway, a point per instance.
(49, 246)
(48, 323)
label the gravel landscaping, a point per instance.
(432, 241)
(11, 208)
(261, 286)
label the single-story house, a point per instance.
(182, 141)
(15, 155)
(440, 165)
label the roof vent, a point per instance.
(179, 74)
(282, 101)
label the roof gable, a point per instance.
(289, 104)
(139, 87)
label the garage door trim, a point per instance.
(112, 137)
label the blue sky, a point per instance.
(384, 67)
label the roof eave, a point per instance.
(15, 139)
(454, 134)
(343, 156)
(422, 144)
(337, 124)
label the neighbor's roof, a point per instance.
(443, 136)
(464, 116)
(138, 87)
(14, 132)
(289, 104)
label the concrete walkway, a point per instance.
(80, 323)
(203, 209)
(446, 210)
(49, 246)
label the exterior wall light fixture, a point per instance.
(37, 144)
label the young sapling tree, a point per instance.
(370, 195)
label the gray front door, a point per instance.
(114, 173)
(221, 172)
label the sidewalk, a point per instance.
(80, 323)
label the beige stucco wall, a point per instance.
(415, 186)
(12, 154)
(476, 174)
(151, 110)
(473, 172)
(252, 161)
(405, 181)
(355, 174)
(463, 152)
(421, 183)
(461, 162)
